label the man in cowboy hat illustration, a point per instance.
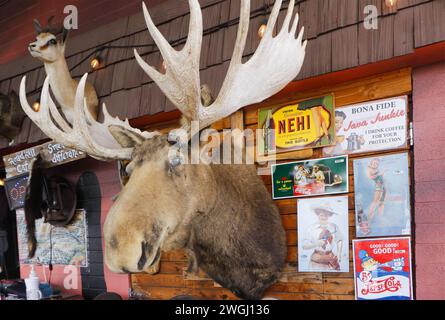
(324, 238)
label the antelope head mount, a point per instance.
(221, 214)
(49, 47)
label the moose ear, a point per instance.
(37, 26)
(125, 137)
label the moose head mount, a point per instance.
(11, 116)
(222, 214)
(49, 47)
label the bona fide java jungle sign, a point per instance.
(369, 127)
(303, 125)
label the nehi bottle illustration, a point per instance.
(269, 133)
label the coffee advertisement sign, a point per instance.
(369, 127)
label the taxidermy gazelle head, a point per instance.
(49, 47)
(11, 116)
(222, 214)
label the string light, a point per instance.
(95, 63)
(262, 28)
(36, 106)
(98, 59)
(390, 3)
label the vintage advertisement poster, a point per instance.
(382, 269)
(371, 126)
(310, 177)
(62, 245)
(382, 196)
(323, 240)
(306, 124)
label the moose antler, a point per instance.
(276, 62)
(80, 135)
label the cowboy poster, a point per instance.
(323, 241)
(369, 127)
(302, 125)
(310, 177)
(382, 196)
(382, 269)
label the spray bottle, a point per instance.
(32, 286)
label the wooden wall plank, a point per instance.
(404, 32)
(344, 48)
(309, 15)
(429, 24)
(347, 12)
(328, 15)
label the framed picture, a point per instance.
(382, 269)
(382, 196)
(310, 177)
(302, 125)
(369, 127)
(323, 238)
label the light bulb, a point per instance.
(262, 30)
(390, 3)
(95, 63)
(2, 182)
(36, 106)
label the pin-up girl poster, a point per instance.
(382, 198)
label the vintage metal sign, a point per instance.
(371, 126)
(382, 269)
(323, 237)
(53, 154)
(310, 177)
(306, 124)
(382, 196)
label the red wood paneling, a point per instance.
(429, 114)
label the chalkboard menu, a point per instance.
(16, 191)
